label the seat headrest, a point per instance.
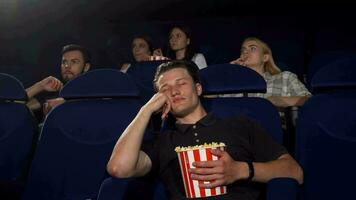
(100, 83)
(229, 79)
(340, 74)
(145, 69)
(11, 88)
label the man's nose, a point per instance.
(174, 91)
(66, 65)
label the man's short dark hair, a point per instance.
(75, 47)
(191, 67)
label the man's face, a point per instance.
(181, 90)
(73, 65)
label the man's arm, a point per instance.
(284, 166)
(226, 170)
(127, 160)
(50, 84)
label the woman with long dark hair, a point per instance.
(181, 46)
(142, 50)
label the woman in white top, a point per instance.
(181, 48)
(142, 50)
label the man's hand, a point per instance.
(159, 102)
(219, 172)
(51, 84)
(51, 103)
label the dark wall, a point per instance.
(30, 46)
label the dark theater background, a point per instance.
(32, 32)
(304, 36)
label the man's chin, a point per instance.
(66, 78)
(179, 113)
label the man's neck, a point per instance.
(193, 117)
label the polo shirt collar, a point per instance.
(207, 120)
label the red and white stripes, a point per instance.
(186, 158)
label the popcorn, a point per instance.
(212, 145)
(188, 155)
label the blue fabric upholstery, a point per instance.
(227, 78)
(326, 145)
(131, 188)
(282, 189)
(143, 74)
(100, 83)
(78, 137)
(326, 134)
(17, 129)
(338, 74)
(320, 60)
(11, 88)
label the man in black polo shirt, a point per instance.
(252, 157)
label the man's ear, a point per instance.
(199, 88)
(86, 67)
(188, 41)
(265, 57)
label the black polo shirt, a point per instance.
(245, 141)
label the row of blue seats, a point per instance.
(87, 123)
(78, 136)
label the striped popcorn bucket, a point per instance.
(186, 158)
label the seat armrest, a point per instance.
(282, 189)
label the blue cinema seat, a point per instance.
(78, 136)
(17, 128)
(230, 79)
(326, 134)
(17, 137)
(321, 60)
(131, 188)
(143, 74)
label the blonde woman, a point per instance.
(283, 88)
